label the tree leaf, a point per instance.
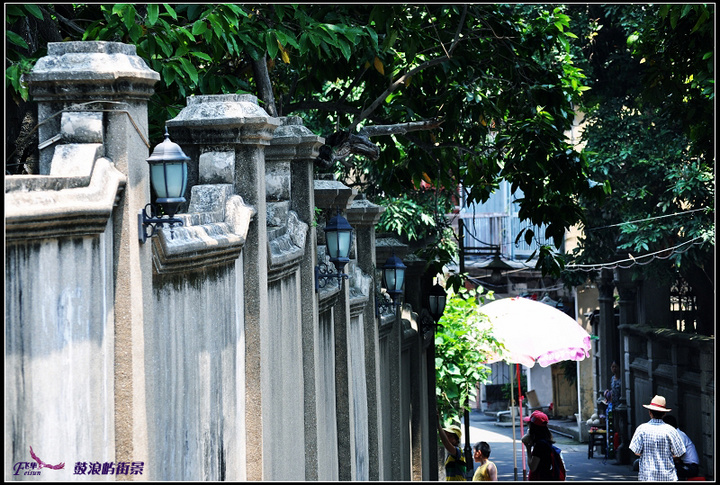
(34, 10)
(271, 44)
(16, 39)
(199, 27)
(170, 11)
(201, 55)
(153, 12)
(378, 65)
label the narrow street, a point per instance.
(579, 467)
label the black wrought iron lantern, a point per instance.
(436, 301)
(393, 277)
(168, 177)
(338, 239)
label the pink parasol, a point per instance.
(535, 332)
(532, 332)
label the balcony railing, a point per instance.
(495, 230)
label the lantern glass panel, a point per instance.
(343, 238)
(399, 279)
(389, 276)
(169, 179)
(331, 238)
(433, 304)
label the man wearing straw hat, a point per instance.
(656, 443)
(455, 466)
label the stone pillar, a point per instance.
(607, 330)
(235, 126)
(333, 195)
(384, 248)
(627, 289)
(109, 77)
(363, 216)
(413, 294)
(294, 149)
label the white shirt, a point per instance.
(690, 455)
(657, 442)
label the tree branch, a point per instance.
(322, 106)
(401, 80)
(393, 87)
(400, 128)
(68, 23)
(457, 32)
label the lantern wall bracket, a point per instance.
(149, 222)
(382, 304)
(429, 323)
(324, 275)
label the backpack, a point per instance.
(557, 464)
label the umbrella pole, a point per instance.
(512, 414)
(522, 427)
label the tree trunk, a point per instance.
(264, 87)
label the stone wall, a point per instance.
(204, 352)
(679, 367)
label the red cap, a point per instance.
(537, 417)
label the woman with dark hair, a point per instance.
(538, 442)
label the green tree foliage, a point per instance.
(453, 95)
(461, 348)
(649, 141)
(418, 218)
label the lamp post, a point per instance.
(393, 276)
(436, 303)
(168, 176)
(338, 236)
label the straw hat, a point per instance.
(455, 430)
(657, 404)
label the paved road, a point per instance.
(579, 467)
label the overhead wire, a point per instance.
(635, 259)
(647, 219)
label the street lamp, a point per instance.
(168, 176)
(338, 236)
(497, 266)
(437, 299)
(393, 276)
(436, 307)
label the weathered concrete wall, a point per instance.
(193, 364)
(59, 353)
(329, 461)
(283, 408)
(358, 401)
(205, 352)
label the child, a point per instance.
(487, 471)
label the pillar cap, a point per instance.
(292, 140)
(362, 212)
(223, 118)
(91, 61)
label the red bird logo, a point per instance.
(41, 464)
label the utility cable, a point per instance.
(647, 219)
(635, 260)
